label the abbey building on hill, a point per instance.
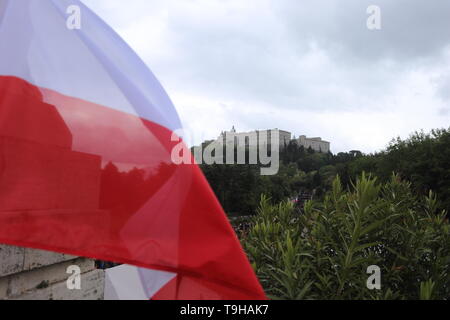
(252, 138)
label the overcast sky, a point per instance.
(308, 67)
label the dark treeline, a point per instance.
(423, 159)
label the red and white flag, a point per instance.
(86, 135)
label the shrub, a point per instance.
(323, 252)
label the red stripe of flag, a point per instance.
(84, 179)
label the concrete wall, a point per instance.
(29, 274)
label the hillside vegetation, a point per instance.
(423, 159)
(387, 209)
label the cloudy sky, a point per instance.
(311, 68)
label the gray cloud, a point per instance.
(410, 29)
(308, 67)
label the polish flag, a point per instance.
(86, 136)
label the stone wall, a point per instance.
(317, 144)
(254, 138)
(29, 274)
(263, 136)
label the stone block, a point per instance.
(92, 284)
(16, 259)
(42, 278)
(38, 258)
(11, 260)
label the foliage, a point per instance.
(422, 159)
(324, 252)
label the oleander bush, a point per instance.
(323, 251)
